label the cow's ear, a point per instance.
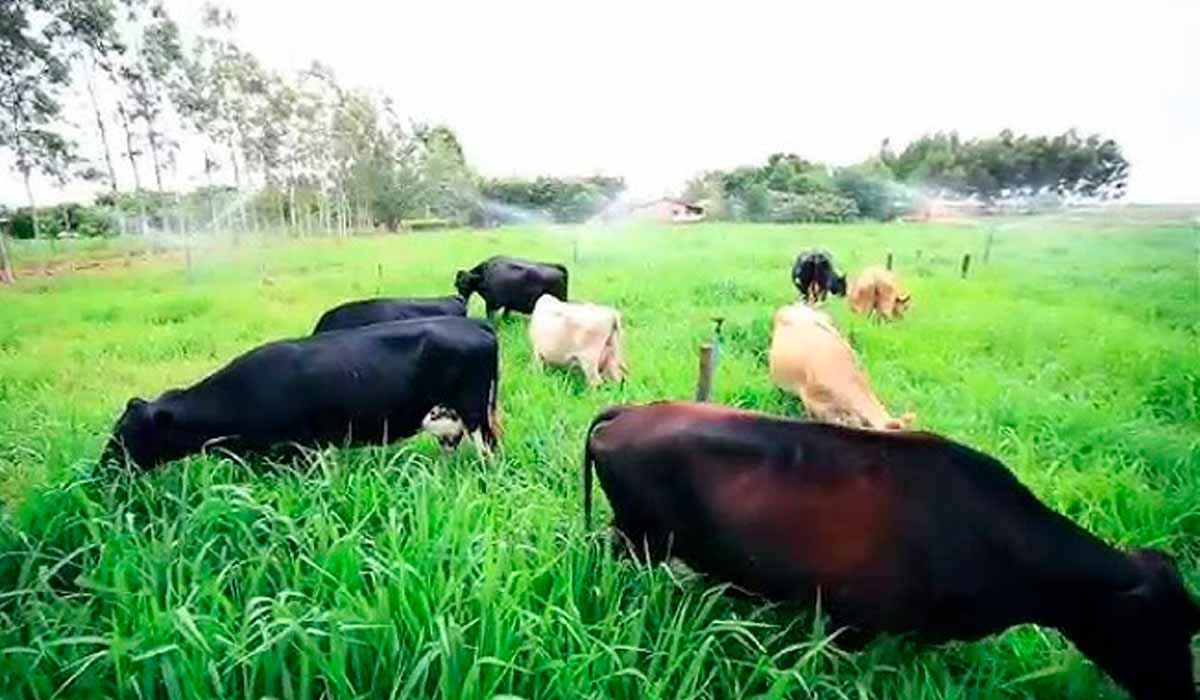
(163, 418)
(135, 403)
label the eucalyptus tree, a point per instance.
(94, 45)
(148, 78)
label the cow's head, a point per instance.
(145, 434)
(466, 281)
(902, 303)
(838, 285)
(1142, 636)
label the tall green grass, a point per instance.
(394, 571)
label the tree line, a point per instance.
(305, 153)
(1007, 169)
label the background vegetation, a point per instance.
(395, 572)
(214, 141)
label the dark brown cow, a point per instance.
(900, 532)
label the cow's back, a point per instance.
(902, 531)
(366, 312)
(517, 284)
(382, 379)
(810, 359)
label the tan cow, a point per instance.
(877, 290)
(810, 359)
(571, 333)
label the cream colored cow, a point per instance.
(810, 359)
(878, 291)
(571, 333)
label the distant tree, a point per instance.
(33, 73)
(564, 200)
(872, 191)
(1009, 165)
(756, 202)
(94, 46)
(148, 79)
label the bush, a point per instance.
(564, 200)
(95, 222)
(875, 196)
(819, 207)
(53, 222)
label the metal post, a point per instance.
(966, 264)
(987, 247)
(889, 260)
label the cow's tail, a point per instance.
(589, 461)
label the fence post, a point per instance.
(987, 247)
(966, 264)
(704, 384)
(575, 253)
(889, 260)
(379, 279)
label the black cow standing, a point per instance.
(815, 278)
(899, 532)
(512, 283)
(365, 385)
(364, 312)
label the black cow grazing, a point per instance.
(512, 283)
(364, 312)
(900, 533)
(815, 278)
(364, 385)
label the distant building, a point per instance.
(665, 210)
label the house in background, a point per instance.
(665, 210)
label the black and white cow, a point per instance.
(364, 312)
(512, 283)
(365, 385)
(814, 276)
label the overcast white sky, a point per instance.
(657, 91)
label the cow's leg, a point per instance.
(481, 445)
(490, 311)
(474, 406)
(887, 305)
(591, 369)
(612, 370)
